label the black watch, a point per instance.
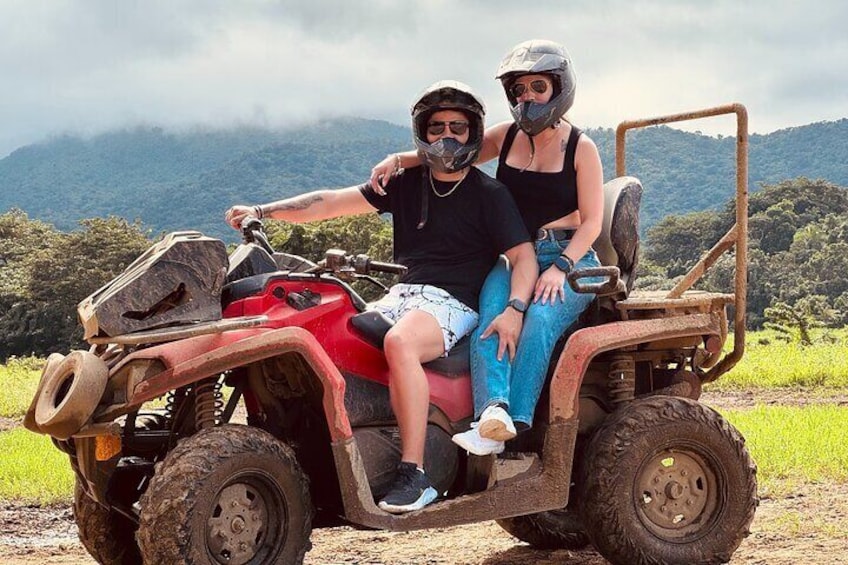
(564, 263)
(518, 305)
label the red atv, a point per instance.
(621, 453)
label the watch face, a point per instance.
(518, 305)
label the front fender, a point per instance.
(190, 360)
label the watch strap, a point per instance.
(518, 305)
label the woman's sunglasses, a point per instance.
(438, 128)
(539, 86)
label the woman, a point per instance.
(555, 176)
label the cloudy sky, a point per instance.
(85, 66)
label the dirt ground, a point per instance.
(809, 526)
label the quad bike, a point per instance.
(621, 453)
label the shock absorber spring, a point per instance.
(208, 402)
(173, 404)
(622, 379)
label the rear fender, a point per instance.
(583, 345)
(190, 360)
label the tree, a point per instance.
(798, 319)
(55, 275)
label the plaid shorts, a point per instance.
(455, 318)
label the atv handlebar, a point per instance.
(253, 232)
(340, 262)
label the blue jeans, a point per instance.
(518, 383)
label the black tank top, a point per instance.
(541, 197)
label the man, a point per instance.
(451, 222)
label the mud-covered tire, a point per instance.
(108, 536)
(69, 394)
(667, 480)
(556, 529)
(234, 492)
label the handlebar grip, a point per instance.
(387, 267)
(611, 285)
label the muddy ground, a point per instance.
(809, 526)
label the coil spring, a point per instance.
(622, 380)
(208, 402)
(173, 402)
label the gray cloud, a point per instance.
(91, 65)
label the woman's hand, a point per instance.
(550, 285)
(236, 215)
(383, 172)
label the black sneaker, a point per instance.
(412, 490)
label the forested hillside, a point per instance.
(185, 180)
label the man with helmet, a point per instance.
(451, 222)
(554, 174)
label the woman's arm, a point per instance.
(590, 198)
(393, 163)
(590, 203)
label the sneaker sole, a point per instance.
(426, 498)
(496, 430)
(470, 448)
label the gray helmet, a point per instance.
(447, 155)
(533, 57)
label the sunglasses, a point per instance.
(539, 86)
(438, 128)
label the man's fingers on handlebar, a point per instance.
(235, 215)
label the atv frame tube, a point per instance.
(736, 237)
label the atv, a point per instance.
(230, 404)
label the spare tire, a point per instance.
(70, 394)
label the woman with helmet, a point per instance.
(555, 176)
(449, 235)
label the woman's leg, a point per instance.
(544, 324)
(490, 377)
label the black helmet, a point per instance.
(533, 57)
(448, 155)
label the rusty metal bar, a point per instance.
(739, 230)
(704, 264)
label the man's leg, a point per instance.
(415, 339)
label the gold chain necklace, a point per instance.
(448, 193)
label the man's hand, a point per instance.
(507, 325)
(236, 215)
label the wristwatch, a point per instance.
(518, 305)
(564, 263)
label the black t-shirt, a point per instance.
(464, 233)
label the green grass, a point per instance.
(18, 381)
(795, 445)
(769, 363)
(32, 469)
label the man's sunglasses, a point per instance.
(539, 86)
(456, 128)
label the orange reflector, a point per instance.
(106, 447)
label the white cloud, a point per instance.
(91, 65)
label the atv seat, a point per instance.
(372, 326)
(618, 243)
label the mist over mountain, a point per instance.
(185, 180)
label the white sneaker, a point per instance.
(496, 424)
(472, 442)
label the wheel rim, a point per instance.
(678, 495)
(248, 521)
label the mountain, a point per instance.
(185, 180)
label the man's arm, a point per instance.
(309, 207)
(507, 324)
